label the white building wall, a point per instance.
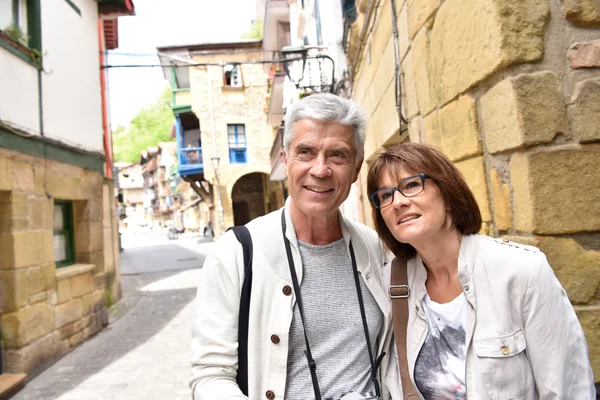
(71, 87)
(19, 101)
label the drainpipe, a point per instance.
(106, 128)
(215, 157)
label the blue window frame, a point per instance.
(237, 143)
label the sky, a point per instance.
(162, 23)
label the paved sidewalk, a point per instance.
(143, 353)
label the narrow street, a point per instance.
(143, 352)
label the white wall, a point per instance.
(71, 88)
(19, 101)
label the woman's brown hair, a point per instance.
(419, 158)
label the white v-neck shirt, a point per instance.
(440, 366)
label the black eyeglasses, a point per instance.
(411, 186)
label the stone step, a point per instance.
(10, 383)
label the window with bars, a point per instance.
(63, 233)
(237, 143)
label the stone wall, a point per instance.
(232, 105)
(510, 91)
(44, 310)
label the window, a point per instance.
(13, 20)
(63, 237)
(237, 143)
(233, 75)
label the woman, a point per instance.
(487, 318)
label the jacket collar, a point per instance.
(467, 257)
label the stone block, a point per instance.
(89, 236)
(418, 13)
(584, 55)
(501, 196)
(582, 13)
(14, 286)
(39, 181)
(29, 323)
(76, 339)
(459, 129)
(409, 91)
(6, 174)
(63, 291)
(425, 95)
(585, 110)
(88, 210)
(474, 173)
(472, 39)
(23, 177)
(414, 130)
(589, 317)
(35, 282)
(524, 110)
(67, 313)
(38, 298)
(37, 210)
(48, 276)
(92, 301)
(577, 269)
(19, 204)
(431, 130)
(82, 284)
(553, 190)
(23, 249)
(69, 330)
(33, 358)
(108, 253)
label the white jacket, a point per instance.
(524, 339)
(215, 324)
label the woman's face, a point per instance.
(418, 219)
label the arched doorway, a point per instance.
(249, 198)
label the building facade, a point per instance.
(223, 139)
(305, 41)
(59, 254)
(509, 90)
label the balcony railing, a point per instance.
(191, 155)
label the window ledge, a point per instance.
(18, 50)
(233, 88)
(72, 270)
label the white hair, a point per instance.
(327, 107)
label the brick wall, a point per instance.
(510, 91)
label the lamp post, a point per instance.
(215, 163)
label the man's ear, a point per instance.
(285, 162)
(357, 172)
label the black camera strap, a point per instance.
(311, 362)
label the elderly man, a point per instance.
(319, 320)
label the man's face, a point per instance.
(321, 167)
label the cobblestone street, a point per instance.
(143, 352)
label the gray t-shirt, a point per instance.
(333, 325)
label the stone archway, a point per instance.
(249, 197)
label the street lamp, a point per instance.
(215, 163)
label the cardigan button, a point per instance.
(270, 394)
(275, 339)
(287, 290)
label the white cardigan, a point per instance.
(215, 322)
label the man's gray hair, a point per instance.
(327, 107)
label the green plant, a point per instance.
(15, 32)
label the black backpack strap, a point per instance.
(243, 236)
